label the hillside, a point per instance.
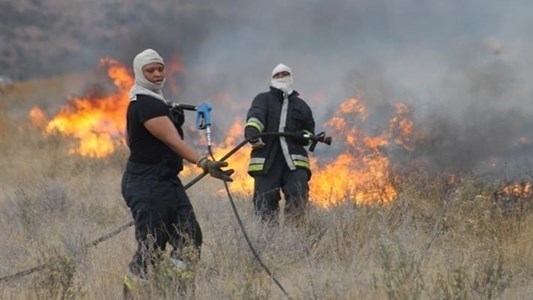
(41, 38)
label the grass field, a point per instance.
(435, 241)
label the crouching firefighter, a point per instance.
(156, 197)
(279, 163)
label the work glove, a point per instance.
(252, 134)
(300, 137)
(257, 143)
(213, 168)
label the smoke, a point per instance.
(481, 117)
(463, 66)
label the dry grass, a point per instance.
(434, 242)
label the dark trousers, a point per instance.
(293, 184)
(162, 213)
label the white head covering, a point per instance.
(285, 83)
(142, 86)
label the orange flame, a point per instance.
(518, 190)
(37, 117)
(98, 123)
(362, 172)
(242, 182)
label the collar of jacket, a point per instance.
(279, 93)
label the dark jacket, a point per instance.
(264, 116)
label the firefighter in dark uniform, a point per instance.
(279, 163)
(155, 195)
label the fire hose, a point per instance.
(203, 121)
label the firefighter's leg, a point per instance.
(296, 192)
(186, 230)
(139, 189)
(267, 196)
(186, 240)
(136, 275)
(151, 238)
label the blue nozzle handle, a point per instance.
(203, 115)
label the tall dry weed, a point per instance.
(437, 240)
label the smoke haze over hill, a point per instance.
(464, 66)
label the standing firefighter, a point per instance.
(279, 162)
(155, 195)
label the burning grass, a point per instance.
(435, 238)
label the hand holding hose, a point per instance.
(257, 143)
(252, 134)
(214, 168)
(302, 137)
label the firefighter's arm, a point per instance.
(255, 123)
(163, 129)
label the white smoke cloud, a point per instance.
(464, 66)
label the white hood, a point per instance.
(142, 86)
(285, 83)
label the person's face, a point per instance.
(281, 74)
(154, 72)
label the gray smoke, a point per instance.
(463, 66)
(481, 116)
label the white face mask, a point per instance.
(284, 84)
